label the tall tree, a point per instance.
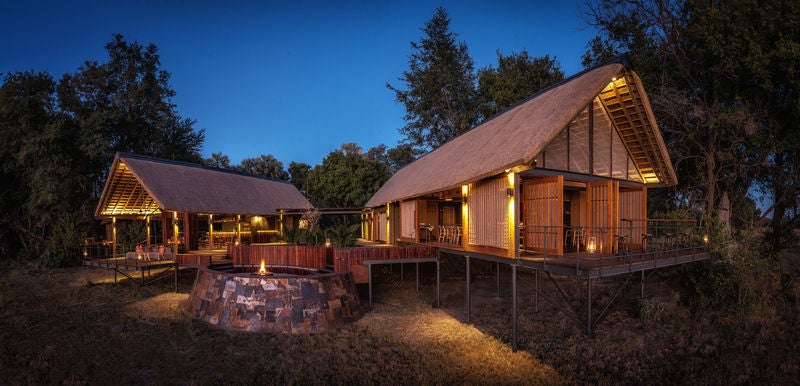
(516, 77)
(125, 105)
(298, 172)
(265, 166)
(439, 94)
(59, 141)
(218, 160)
(690, 91)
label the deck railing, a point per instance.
(279, 255)
(634, 240)
(345, 258)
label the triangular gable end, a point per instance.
(599, 151)
(125, 196)
(617, 140)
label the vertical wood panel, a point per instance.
(543, 214)
(488, 214)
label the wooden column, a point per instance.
(210, 232)
(147, 225)
(113, 237)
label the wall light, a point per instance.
(510, 192)
(591, 246)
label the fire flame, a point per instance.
(263, 269)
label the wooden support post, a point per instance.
(147, 225)
(114, 237)
(514, 307)
(210, 232)
(176, 275)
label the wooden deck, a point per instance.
(583, 265)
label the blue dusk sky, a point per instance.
(294, 79)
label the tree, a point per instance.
(298, 172)
(125, 105)
(59, 140)
(394, 158)
(726, 92)
(439, 97)
(345, 180)
(400, 156)
(264, 166)
(517, 76)
(218, 160)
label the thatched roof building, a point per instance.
(517, 137)
(145, 186)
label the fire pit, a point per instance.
(279, 299)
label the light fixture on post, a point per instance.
(510, 192)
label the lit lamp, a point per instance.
(705, 238)
(591, 246)
(328, 243)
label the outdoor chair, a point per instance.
(457, 235)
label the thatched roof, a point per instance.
(515, 137)
(139, 185)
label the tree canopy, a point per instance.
(516, 77)
(724, 84)
(60, 139)
(346, 178)
(444, 96)
(439, 94)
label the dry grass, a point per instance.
(76, 326)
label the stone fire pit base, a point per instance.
(290, 304)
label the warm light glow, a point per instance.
(705, 239)
(511, 180)
(328, 243)
(303, 224)
(464, 190)
(263, 270)
(591, 246)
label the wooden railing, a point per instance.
(283, 255)
(345, 258)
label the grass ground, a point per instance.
(75, 326)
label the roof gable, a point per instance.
(517, 136)
(139, 186)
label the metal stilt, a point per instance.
(514, 308)
(469, 296)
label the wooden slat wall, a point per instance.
(381, 231)
(488, 214)
(602, 212)
(408, 223)
(294, 255)
(543, 214)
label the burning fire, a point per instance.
(263, 270)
